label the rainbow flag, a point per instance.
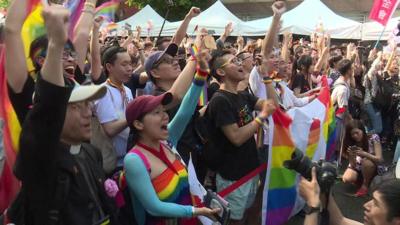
(75, 7)
(112, 27)
(203, 99)
(303, 128)
(107, 10)
(9, 185)
(280, 196)
(32, 28)
(330, 121)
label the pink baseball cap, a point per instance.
(144, 104)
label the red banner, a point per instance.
(382, 10)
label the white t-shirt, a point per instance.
(289, 100)
(111, 108)
(341, 93)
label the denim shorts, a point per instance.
(240, 199)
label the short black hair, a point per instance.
(216, 62)
(344, 66)
(390, 192)
(334, 59)
(109, 55)
(161, 41)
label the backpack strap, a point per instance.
(143, 157)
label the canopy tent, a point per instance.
(147, 18)
(307, 16)
(214, 19)
(372, 30)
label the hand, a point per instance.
(194, 11)
(228, 29)
(310, 190)
(199, 41)
(279, 7)
(240, 41)
(361, 153)
(204, 211)
(312, 97)
(373, 53)
(202, 59)
(56, 19)
(97, 22)
(267, 109)
(139, 29)
(138, 44)
(328, 40)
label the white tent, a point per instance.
(143, 18)
(372, 30)
(214, 19)
(306, 17)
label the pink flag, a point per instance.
(382, 10)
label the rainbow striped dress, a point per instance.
(172, 187)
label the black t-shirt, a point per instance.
(134, 84)
(23, 101)
(299, 81)
(227, 108)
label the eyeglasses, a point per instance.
(235, 60)
(69, 53)
(164, 59)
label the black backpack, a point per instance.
(205, 129)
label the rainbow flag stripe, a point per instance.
(107, 10)
(330, 121)
(282, 182)
(32, 28)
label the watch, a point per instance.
(309, 210)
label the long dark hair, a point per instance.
(348, 140)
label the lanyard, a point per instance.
(160, 155)
(121, 89)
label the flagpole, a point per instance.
(380, 36)
(169, 4)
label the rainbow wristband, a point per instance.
(259, 121)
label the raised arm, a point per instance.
(182, 83)
(95, 50)
(278, 8)
(181, 32)
(287, 40)
(82, 30)
(189, 102)
(15, 62)
(56, 21)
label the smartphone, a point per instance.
(212, 201)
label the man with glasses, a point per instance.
(62, 179)
(248, 64)
(231, 113)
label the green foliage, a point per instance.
(4, 4)
(177, 11)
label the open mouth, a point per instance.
(70, 70)
(164, 127)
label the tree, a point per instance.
(4, 4)
(177, 11)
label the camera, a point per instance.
(326, 171)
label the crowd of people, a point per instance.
(111, 122)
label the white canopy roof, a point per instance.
(305, 18)
(372, 30)
(215, 18)
(143, 18)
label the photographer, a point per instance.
(383, 209)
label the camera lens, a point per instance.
(299, 163)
